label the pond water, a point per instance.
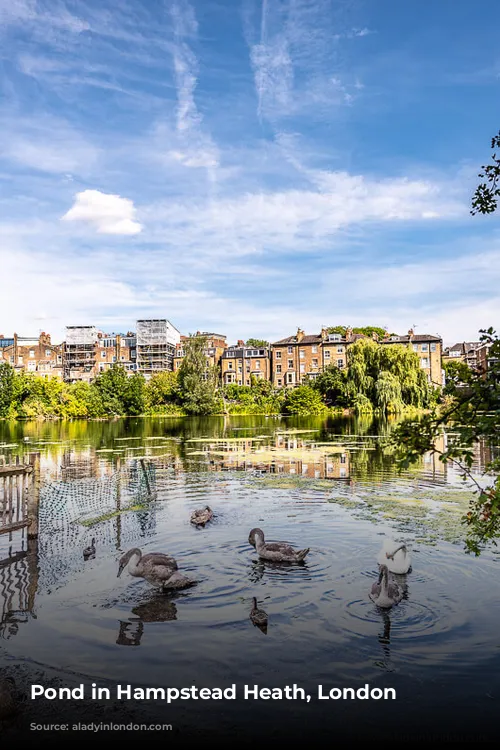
(328, 484)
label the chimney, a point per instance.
(386, 335)
(300, 335)
(348, 334)
(411, 332)
(324, 333)
(375, 336)
(241, 343)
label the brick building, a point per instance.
(37, 355)
(239, 363)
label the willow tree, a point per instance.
(388, 375)
(198, 379)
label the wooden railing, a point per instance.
(19, 493)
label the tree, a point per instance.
(162, 389)
(198, 380)
(7, 376)
(457, 374)
(111, 386)
(257, 343)
(485, 198)
(304, 401)
(474, 414)
(332, 385)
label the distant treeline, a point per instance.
(385, 379)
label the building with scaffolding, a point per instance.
(156, 342)
(80, 353)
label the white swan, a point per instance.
(395, 556)
(386, 592)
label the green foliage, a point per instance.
(365, 330)
(474, 415)
(304, 401)
(258, 398)
(120, 394)
(332, 384)
(198, 380)
(457, 374)
(162, 391)
(485, 198)
(7, 376)
(257, 343)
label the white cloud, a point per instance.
(108, 214)
(195, 146)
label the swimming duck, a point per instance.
(8, 698)
(395, 556)
(258, 617)
(202, 516)
(275, 551)
(386, 592)
(156, 568)
(89, 552)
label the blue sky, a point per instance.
(248, 166)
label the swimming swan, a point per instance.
(385, 593)
(156, 568)
(395, 556)
(275, 551)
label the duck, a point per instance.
(395, 556)
(258, 617)
(156, 568)
(202, 516)
(9, 698)
(275, 551)
(386, 593)
(89, 552)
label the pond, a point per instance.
(327, 484)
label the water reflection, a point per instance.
(159, 609)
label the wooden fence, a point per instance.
(19, 495)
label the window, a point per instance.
(314, 349)
(132, 354)
(278, 368)
(290, 350)
(415, 347)
(278, 355)
(19, 360)
(32, 352)
(340, 349)
(290, 377)
(48, 352)
(327, 354)
(433, 347)
(424, 362)
(257, 365)
(31, 366)
(302, 354)
(343, 458)
(103, 355)
(315, 363)
(342, 472)
(262, 352)
(302, 367)
(340, 364)
(290, 364)
(229, 365)
(59, 359)
(425, 347)
(280, 382)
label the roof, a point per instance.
(416, 338)
(311, 339)
(464, 346)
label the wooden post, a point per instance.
(34, 496)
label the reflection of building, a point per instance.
(156, 342)
(242, 363)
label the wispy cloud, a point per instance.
(107, 214)
(196, 148)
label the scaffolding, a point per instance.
(79, 353)
(156, 340)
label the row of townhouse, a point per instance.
(293, 360)
(157, 346)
